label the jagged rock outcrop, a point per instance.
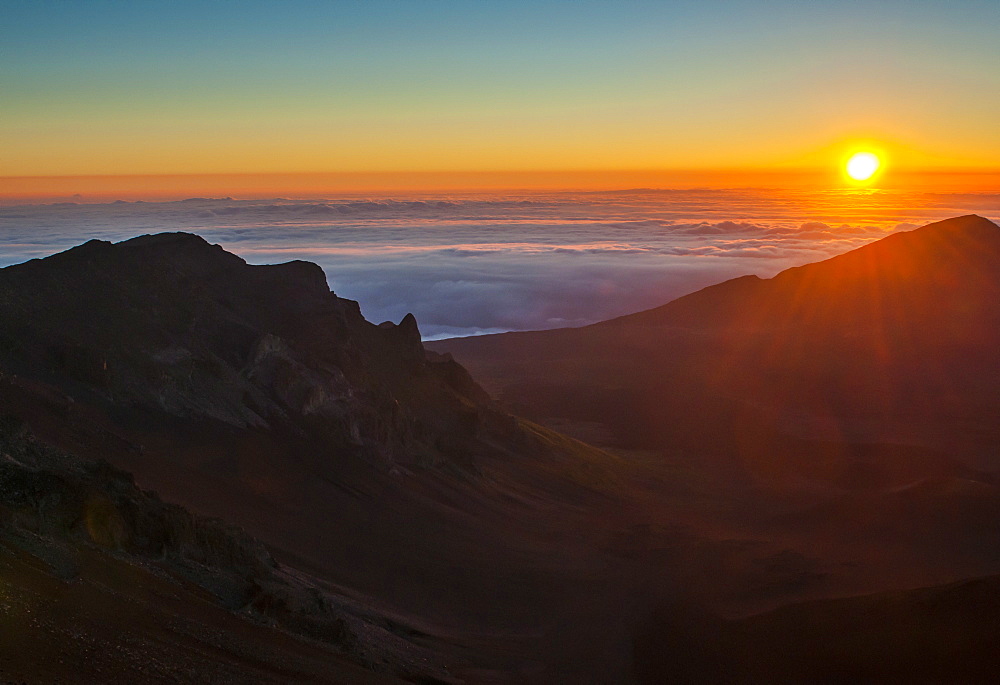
(170, 323)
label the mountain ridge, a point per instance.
(254, 394)
(856, 324)
(972, 232)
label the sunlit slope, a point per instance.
(893, 342)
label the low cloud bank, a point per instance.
(470, 265)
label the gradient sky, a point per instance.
(273, 87)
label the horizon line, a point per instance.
(949, 170)
(256, 185)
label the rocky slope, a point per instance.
(61, 511)
(64, 515)
(400, 510)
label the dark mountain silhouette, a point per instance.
(384, 476)
(170, 323)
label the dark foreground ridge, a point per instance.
(393, 507)
(171, 323)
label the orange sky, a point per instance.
(147, 99)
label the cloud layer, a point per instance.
(472, 264)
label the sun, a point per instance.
(863, 165)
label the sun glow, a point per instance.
(862, 166)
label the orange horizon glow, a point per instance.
(161, 101)
(101, 188)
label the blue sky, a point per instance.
(142, 87)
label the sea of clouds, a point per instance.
(473, 264)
